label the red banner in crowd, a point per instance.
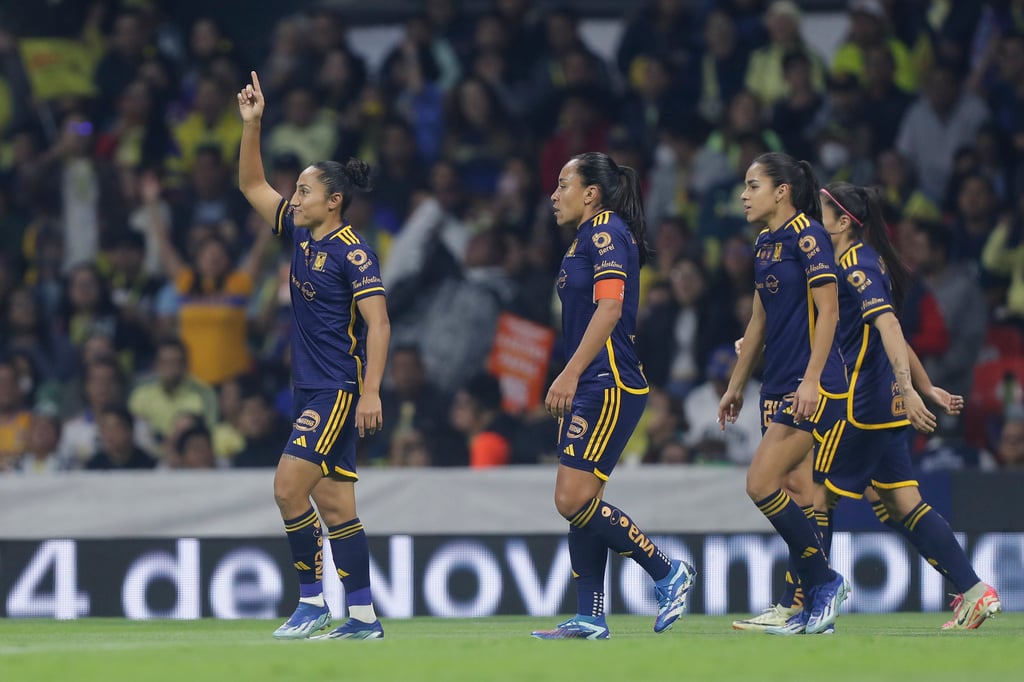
(519, 358)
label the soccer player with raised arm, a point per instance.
(600, 395)
(339, 347)
(796, 309)
(870, 445)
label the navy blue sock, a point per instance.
(805, 551)
(589, 557)
(621, 535)
(935, 541)
(352, 561)
(307, 545)
(793, 595)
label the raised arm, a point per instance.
(251, 179)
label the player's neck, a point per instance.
(588, 214)
(325, 228)
(780, 217)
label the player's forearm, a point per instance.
(918, 374)
(378, 336)
(896, 349)
(596, 335)
(250, 159)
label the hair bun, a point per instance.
(358, 173)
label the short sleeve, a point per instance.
(609, 251)
(283, 223)
(815, 249)
(869, 284)
(362, 269)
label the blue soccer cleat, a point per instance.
(355, 629)
(576, 627)
(306, 620)
(825, 601)
(672, 594)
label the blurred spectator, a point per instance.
(208, 198)
(103, 388)
(705, 436)
(397, 175)
(172, 390)
(766, 74)
(138, 135)
(675, 339)
(118, 67)
(264, 432)
(476, 414)
(869, 27)
(719, 159)
(207, 40)
(212, 296)
(15, 419)
(26, 330)
(213, 120)
(1003, 255)
(410, 77)
(960, 300)
(900, 194)
(582, 127)
(479, 135)
(119, 450)
(416, 412)
(977, 212)
(936, 126)
(661, 27)
(664, 428)
(1010, 451)
(651, 99)
(195, 448)
(307, 129)
(133, 291)
(87, 309)
(885, 103)
(670, 190)
(795, 117)
(40, 455)
(719, 73)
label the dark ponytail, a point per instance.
(783, 169)
(346, 179)
(864, 206)
(620, 192)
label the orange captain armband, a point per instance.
(610, 288)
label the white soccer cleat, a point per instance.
(775, 616)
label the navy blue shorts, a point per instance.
(848, 459)
(779, 409)
(595, 433)
(324, 431)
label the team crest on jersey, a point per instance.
(563, 277)
(577, 427)
(320, 261)
(357, 257)
(808, 244)
(601, 239)
(307, 421)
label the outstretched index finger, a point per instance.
(256, 83)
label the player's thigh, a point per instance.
(781, 450)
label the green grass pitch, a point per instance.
(904, 647)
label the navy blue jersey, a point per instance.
(864, 294)
(604, 248)
(328, 277)
(789, 262)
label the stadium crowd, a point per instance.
(145, 306)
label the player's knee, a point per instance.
(568, 502)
